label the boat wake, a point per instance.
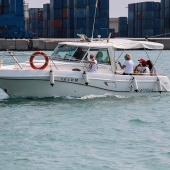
(92, 96)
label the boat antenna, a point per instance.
(94, 18)
(109, 37)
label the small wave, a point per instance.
(96, 96)
(22, 159)
(137, 121)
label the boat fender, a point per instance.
(51, 78)
(159, 86)
(85, 77)
(135, 85)
(45, 57)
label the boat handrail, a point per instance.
(8, 53)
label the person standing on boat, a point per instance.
(128, 65)
(93, 63)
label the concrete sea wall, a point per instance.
(50, 44)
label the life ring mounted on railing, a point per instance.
(45, 57)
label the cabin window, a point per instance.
(102, 55)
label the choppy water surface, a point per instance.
(98, 133)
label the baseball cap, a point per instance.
(91, 55)
(142, 61)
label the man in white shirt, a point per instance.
(128, 65)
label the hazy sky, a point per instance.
(117, 7)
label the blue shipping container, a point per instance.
(80, 13)
(80, 3)
(103, 23)
(156, 32)
(90, 22)
(123, 28)
(167, 13)
(147, 32)
(90, 31)
(66, 23)
(131, 15)
(5, 3)
(66, 3)
(104, 13)
(167, 4)
(104, 32)
(104, 4)
(150, 14)
(56, 14)
(157, 6)
(147, 24)
(56, 4)
(79, 23)
(148, 6)
(46, 7)
(162, 4)
(90, 11)
(19, 8)
(122, 20)
(123, 34)
(12, 6)
(157, 24)
(131, 24)
(131, 7)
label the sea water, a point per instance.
(88, 133)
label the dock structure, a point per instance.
(49, 44)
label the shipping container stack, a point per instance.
(4, 7)
(131, 20)
(71, 17)
(67, 11)
(12, 22)
(151, 19)
(46, 20)
(122, 27)
(144, 19)
(78, 11)
(56, 22)
(165, 18)
(101, 26)
(36, 22)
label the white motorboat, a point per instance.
(66, 72)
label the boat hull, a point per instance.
(37, 84)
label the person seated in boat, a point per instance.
(128, 65)
(99, 57)
(142, 68)
(152, 68)
(137, 68)
(93, 64)
(78, 55)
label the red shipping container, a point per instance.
(66, 13)
(56, 23)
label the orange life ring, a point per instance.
(45, 57)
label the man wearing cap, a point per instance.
(142, 67)
(93, 62)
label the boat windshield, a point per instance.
(72, 53)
